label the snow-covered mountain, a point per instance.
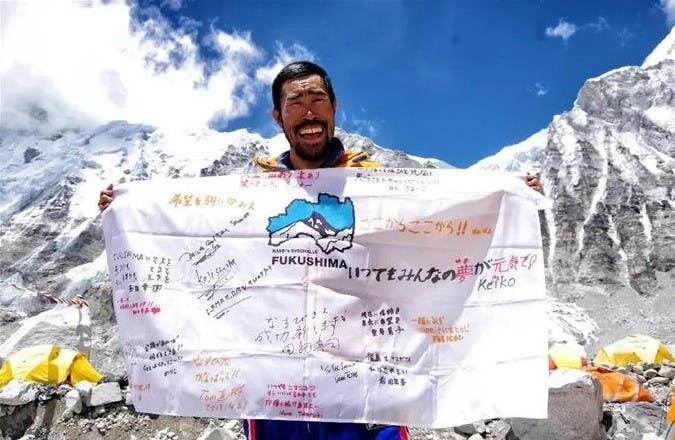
(608, 165)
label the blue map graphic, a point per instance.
(329, 221)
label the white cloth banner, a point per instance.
(397, 296)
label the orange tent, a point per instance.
(671, 417)
(619, 387)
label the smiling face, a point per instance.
(307, 117)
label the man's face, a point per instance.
(307, 117)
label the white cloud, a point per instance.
(599, 25)
(365, 127)
(360, 123)
(624, 36)
(563, 30)
(668, 7)
(78, 63)
(540, 90)
(566, 30)
(284, 56)
(173, 4)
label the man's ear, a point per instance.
(277, 117)
(335, 105)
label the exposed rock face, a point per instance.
(609, 167)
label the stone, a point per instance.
(499, 429)
(637, 369)
(231, 430)
(667, 371)
(650, 366)
(651, 373)
(476, 437)
(633, 420)
(18, 421)
(467, 429)
(84, 388)
(659, 381)
(574, 410)
(127, 397)
(67, 327)
(17, 392)
(108, 392)
(73, 402)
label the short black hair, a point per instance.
(297, 70)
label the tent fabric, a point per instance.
(566, 355)
(5, 373)
(48, 364)
(671, 411)
(633, 349)
(670, 431)
(620, 387)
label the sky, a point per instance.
(455, 80)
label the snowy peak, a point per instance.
(519, 159)
(664, 51)
(608, 165)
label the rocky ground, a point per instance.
(33, 411)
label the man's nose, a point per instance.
(309, 113)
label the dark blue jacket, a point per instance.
(296, 430)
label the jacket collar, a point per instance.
(335, 152)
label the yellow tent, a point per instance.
(633, 349)
(567, 355)
(48, 364)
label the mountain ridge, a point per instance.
(607, 163)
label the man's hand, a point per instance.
(105, 198)
(533, 182)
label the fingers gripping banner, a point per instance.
(401, 296)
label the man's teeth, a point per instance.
(311, 130)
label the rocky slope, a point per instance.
(608, 165)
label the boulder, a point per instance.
(73, 403)
(229, 430)
(574, 410)
(667, 371)
(634, 420)
(104, 393)
(67, 327)
(17, 392)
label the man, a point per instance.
(304, 108)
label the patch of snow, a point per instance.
(662, 116)
(519, 158)
(570, 323)
(664, 51)
(647, 228)
(80, 278)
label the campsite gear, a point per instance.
(670, 417)
(566, 355)
(619, 387)
(48, 364)
(633, 349)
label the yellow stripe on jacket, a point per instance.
(349, 159)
